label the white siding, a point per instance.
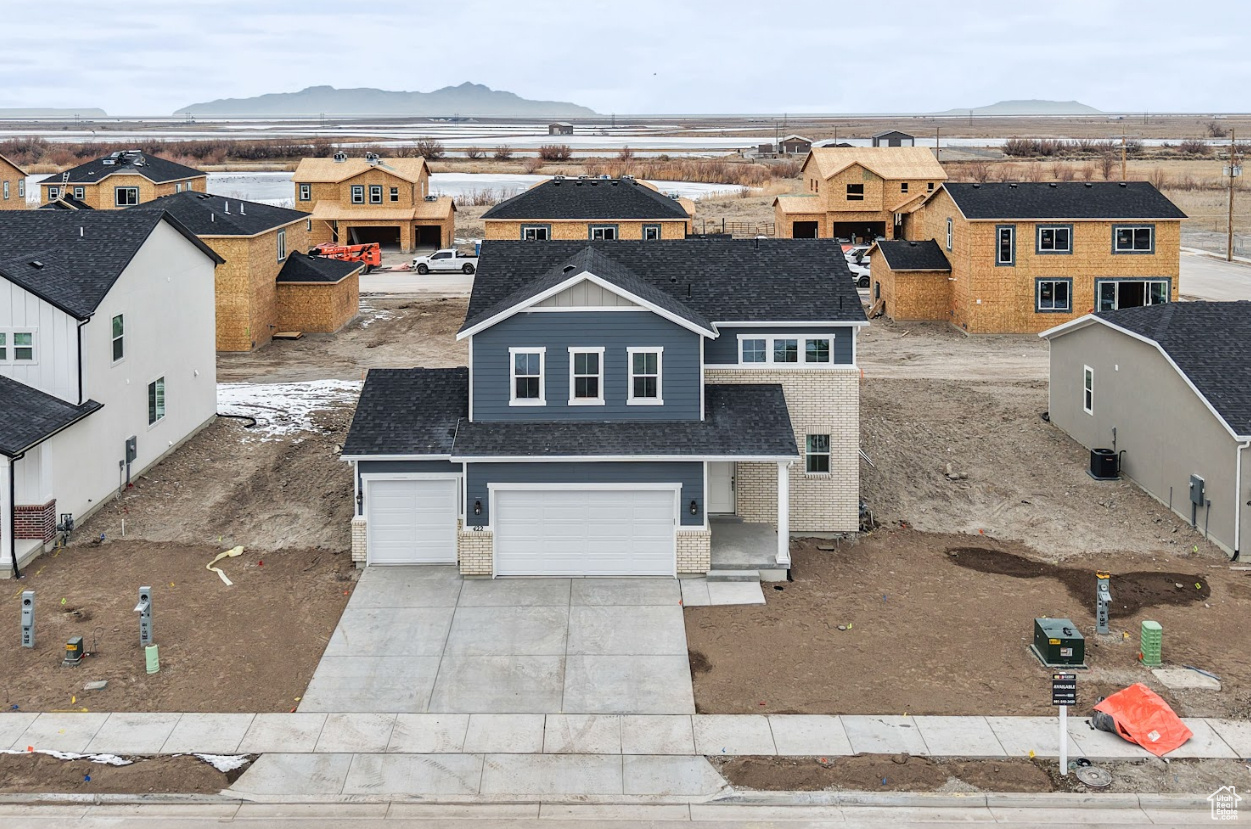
(55, 369)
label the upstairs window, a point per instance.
(1055, 239)
(23, 346)
(785, 351)
(21, 188)
(1005, 253)
(817, 455)
(1133, 239)
(527, 377)
(1088, 390)
(78, 193)
(929, 187)
(903, 187)
(754, 351)
(604, 232)
(855, 192)
(651, 233)
(358, 194)
(6, 191)
(54, 193)
(644, 376)
(282, 245)
(375, 194)
(395, 194)
(306, 192)
(586, 376)
(119, 338)
(807, 350)
(816, 351)
(156, 400)
(950, 233)
(535, 233)
(125, 196)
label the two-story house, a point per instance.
(266, 283)
(857, 193)
(1022, 257)
(122, 179)
(106, 360)
(371, 199)
(624, 403)
(12, 186)
(589, 208)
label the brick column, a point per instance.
(360, 540)
(35, 521)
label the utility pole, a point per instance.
(1233, 170)
(1123, 157)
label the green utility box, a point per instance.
(1152, 642)
(1058, 643)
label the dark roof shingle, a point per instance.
(1210, 342)
(914, 256)
(1028, 200)
(152, 167)
(722, 280)
(305, 268)
(209, 215)
(408, 411)
(29, 416)
(588, 199)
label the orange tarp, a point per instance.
(1142, 717)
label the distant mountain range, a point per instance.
(50, 112)
(468, 99)
(1028, 108)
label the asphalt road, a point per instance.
(1203, 277)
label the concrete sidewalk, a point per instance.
(591, 735)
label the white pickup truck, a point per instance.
(445, 261)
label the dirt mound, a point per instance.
(1131, 592)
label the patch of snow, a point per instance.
(284, 409)
(225, 762)
(103, 759)
(370, 315)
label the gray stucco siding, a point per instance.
(723, 351)
(1164, 428)
(689, 474)
(614, 331)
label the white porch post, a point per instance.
(784, 513)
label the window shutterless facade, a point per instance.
(125, 196)
(645, 376)
(929, 187)
(586, 376)
(17, 346)
(855, 192)
(810, 350)
(1054, 239)
(6, 191)
(536, 233)
(54, 193)
(282, 245)
(395, 194)
(1133, 239)
(156, 400)
(903, 187)
(651, 233)
(358, 194)
(1005, 244)
(603, 232)
(119, 338)
(526, 372)
(79, 193)
(306, 192)
(375, 194)
(1111, 294)
(21, 188)
(950, 233)
(785, 350)
(1088, 390)
(753, 350)
(1053, 296)
(817, 455)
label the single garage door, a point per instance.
(595, 532)
(411, 521)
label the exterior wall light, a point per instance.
(477, 507)
(694, 507)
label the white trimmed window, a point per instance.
(282, 245)
(308, 225)
(358, 194)
(23, 346)
(375, 194)
(817, 455)
(395, 194)
(306, 192)
(156, 400)
(817, 350)
(1088, 390)
(527, 376)
(21, 188)
(603, 233)
(950, 233)
(586, 376)
(1055, 239)
(54, 193)
(651, 233)
(797, 349)
(119, 338)
(125, 196)
(6, 191)
(785, 350)
(645, 376)
(753, 350)
(536, 233)
(79, 193)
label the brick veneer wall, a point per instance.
(35, 521)
(821, 401)
(476, 552)
(360, 540)
(694, 551)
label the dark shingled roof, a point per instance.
(589, 199)
(590, 260)
(301, 267)
(29, 416)
(66, 203)
(722, 280)
(1210, 342)
(1028, 200)
(408, 411)
(80, 254)
(741, 421)
(152, 167)
(914, 256)
(206, 215)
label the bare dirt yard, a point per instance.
(181, 774)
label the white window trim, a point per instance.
(950, 232)
(152, 424)
(21, 187)
(372, 189)
(828, 455)
(12, 333)
(1116, 248)
(999, 260)
(54, 193)
(6, 191)
(803, 340)
(1088, 379)
(659, 399)
(603, 229)
(1053, 228)
(282, 244)
(308, 225)
(513, 399)
(357, 189)
(586, 401)
(305, 192)
(113, 339)
(117, 195)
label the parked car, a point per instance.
(445, 261)
(859, 274)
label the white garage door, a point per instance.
(593, 532)
(411, 522)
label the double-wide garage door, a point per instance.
(589, 532)
(411, 521)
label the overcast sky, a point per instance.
(150, 57)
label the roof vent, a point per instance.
(583, 178)
(1088, 184)
(241, 213)
(35, 263)
(567, 268)
(340, 157)
(108, 162)
(1012, 185)
(372, 158)
(976, 185)
(627, 177)
(1123, 184)
(432, 198)
(558, 178)
(594, 182)
(673, 279)
(1052, 184)
(227, 210)
(912, 244)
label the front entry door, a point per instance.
(721, 489)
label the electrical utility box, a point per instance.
(1058, 643)
(1196, 491)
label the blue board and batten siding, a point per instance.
(723, 351)
(690, 474)
(615, 331)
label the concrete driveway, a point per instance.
(1211, 278)
(422, 639)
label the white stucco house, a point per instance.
(107, 360)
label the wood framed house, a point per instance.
(1026, 256)
(12, 186)
(857, 193)
(107, 361)
(372, 199)
(122, 179)
(627, 406)
(266, 283)
(592, 209)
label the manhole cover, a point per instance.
(1094, 777)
